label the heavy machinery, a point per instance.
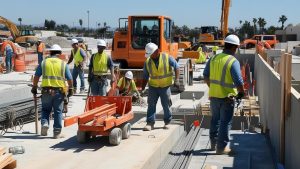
(24, 37)
(128, 48)
(211, 34)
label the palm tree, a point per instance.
(80, 23)
(254, 24)
(261, 22)
(282, 19)
(20, 20)
(241, 22)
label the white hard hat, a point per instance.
(232, 39)
(74, 41)
(150, 49)
(101, 42)
(55, 47)
(129, 75)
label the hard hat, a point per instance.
(101, 42)
(74, 41)
(55, 47)
(150, 49)
(232, 39)
(129, 75)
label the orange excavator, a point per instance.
(128, 48)
(211, 34)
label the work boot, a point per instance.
(225, 151)
(44, 130)
(149, 127)
(213, 145)
(57, 134)
(166, 126)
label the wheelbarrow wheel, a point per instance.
(115, 136)
(82, 136)
(126, 130)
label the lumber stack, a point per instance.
(6, 159)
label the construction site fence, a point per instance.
(268, 90)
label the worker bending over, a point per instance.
(202, 56)
(223, 76)
(7, 51)
(98, 70)
(158, 71)
(54, 72)
(79, 56)
(127, 87)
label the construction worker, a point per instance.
(7, 51)
(202, 56)
(98, 70)
(223, 76)
(214, 49)
(79, 56)
(158, 71)
(127, 87)
(40, 50)
(54, 72)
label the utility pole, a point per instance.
(88, 12)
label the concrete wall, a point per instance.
(44, 34)
(268, 89)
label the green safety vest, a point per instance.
(121, 85)
(221, 82)
(77, 57)
(100, 64)
(202, 58)
(161, 76)
(53, 72)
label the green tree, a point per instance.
(261, 22)
(80, 23)
(282, 19)
(254, 20)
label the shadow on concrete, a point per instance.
(30, 137)
(93, 144)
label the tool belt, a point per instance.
(52, 90)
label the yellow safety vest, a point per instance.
(77, 57)
(121, 85)
(215, 48)
(202, 57)
(221, 82)
(161, 76)
(53, 72)
(100, 64)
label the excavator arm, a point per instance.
(11, 26)
(224, 17)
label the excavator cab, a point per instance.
(129, 41)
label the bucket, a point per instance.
(20, 65)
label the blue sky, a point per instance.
(193, 13)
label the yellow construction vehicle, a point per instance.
(211, 34)
(24, 38)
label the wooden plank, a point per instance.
(288, 81)
(5, 160)
(2, 150)
(89, 116)
(12, 164)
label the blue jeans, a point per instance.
(98, 87)
(222, 113)
(54, 102)
(8, 61)
(77, 71)
(40, 57)
(165, 98)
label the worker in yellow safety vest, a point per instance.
(99, 65)
(127, 87)
(223, 76)
(158, 72)
(214, 49)
(79, 56)
(54, 72)
(40, 50)
(202, 56)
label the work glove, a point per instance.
(176, 83)
(90, 78)
(239, 96)
(70, 92)
(34, 90)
